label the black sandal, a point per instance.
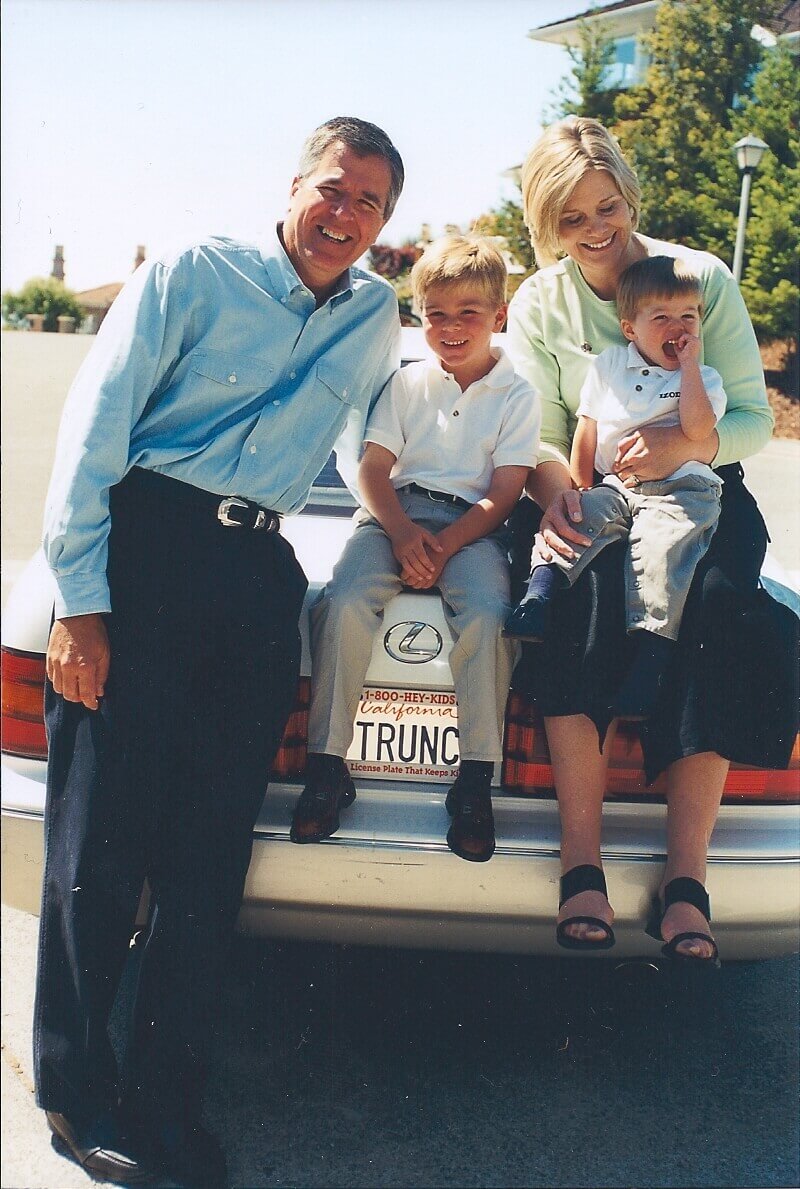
(586, 878)
(682, 890)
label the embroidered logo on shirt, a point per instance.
(670, 395)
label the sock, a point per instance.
(544, 582)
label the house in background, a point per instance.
(97, 302)
(626, 21)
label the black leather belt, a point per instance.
(232, 511)
(438, 497)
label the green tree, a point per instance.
(42, 295)
(678, 125)
(508, 221)
(771, 278)
(583, 92)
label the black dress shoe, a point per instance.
(101, 1149)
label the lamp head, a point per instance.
(749, 151)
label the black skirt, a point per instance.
(732, 687)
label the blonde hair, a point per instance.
(460, 260)
(562, 155)
(655, 276)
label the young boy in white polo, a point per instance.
(448, 448)
(668, 523)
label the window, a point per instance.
(623, 69)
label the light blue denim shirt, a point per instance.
(214, 367)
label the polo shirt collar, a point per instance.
(637, 361)
(500, 375)
(283, 275)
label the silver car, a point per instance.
(387, 876)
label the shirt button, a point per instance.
(276, 403)
(292, 375)
(645, 371)
(638, 388)
(344, 392)
(455, 412)
(283, 301)
(254, 449)
(232, 378)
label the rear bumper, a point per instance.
(389, 879)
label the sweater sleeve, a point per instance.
(533, 361)
(730, 346)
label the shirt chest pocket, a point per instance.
(239, 375)
(336, 383)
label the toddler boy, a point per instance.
(668, 523)
(448, 448)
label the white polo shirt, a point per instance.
(453, 441)
(622, 392)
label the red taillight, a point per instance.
(23, 715)
(527, 770)
(23, 704)
(290, 762)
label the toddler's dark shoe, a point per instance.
(529, 621)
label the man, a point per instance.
(217, 387)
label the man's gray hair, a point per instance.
(363, 139)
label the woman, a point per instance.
(731, 692)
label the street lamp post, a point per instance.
(749, 151)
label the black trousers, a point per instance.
(164, 783)
(732, 687)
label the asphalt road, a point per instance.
(337, 1066)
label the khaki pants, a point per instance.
(668, 524)
(474, 586)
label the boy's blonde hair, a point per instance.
(655, 276)
(460, 260)
(562, 155)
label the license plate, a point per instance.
(405, 734)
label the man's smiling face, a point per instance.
(335, 213)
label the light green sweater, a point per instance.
(557, 324)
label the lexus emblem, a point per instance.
(412, 642)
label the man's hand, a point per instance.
(78, 658)
(412, 547)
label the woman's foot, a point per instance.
(685, 918)
(586, 904)
(680, 916)
(584, 913)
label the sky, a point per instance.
(156, 122)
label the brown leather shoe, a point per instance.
(329, 788)
(102, 1149)
(469, 803)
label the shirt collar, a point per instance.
(500, 376)
(283, 274)
(636, 360)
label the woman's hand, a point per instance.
(559, 526)
(654, 452)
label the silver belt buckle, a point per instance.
(224, 509)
